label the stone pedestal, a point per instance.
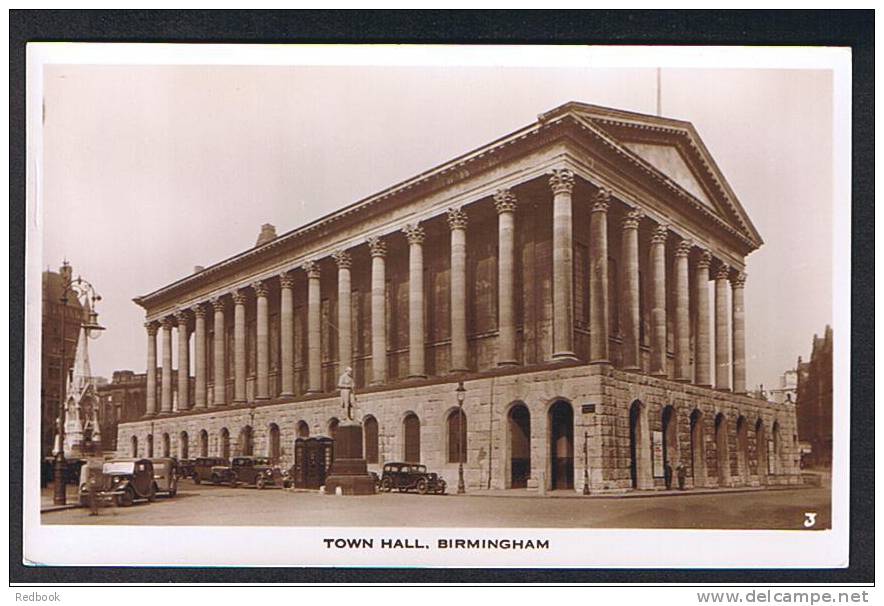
(349, 470)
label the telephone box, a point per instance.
(313, 459)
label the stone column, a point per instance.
(183, 361)
(739, 336)
(598, 277)
(629, 291)
(199, 350)
(457, 221)
(314, 333)
(262, 338)
(722, 347)
(505, 203)
(415, 235)
(151, 394)
(345, 327)
(287, 333)
(219, 393)
(703, 373)
(239, 347)
(658, 300)
(378, 249)
(562, 184)
(166, 393)
(682, 313)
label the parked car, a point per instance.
(411, 476)
(90, 480)
(165, 475)
(185, 468)
(253, 471)
(203, 469)
(126, 480)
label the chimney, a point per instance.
(268, 233)
(198, 268)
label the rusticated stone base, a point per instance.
(349, 471)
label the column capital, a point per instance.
(723, 272)
(181, 316)
(414, 233)
(561, 181)
(311, 268)
(286, 280)
(601, 201)
(343, 259)
(738, 280)
(505, 201)
(218, 303)
(152, 327)
(457, 218)
(199, 310)
(376, 246)
(167, 323)
(660, 234)
(632, 218)
(239, 297)
(260, 288)
(684, 248)
(705, 259)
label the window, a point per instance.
(370, 439)
(457, 436)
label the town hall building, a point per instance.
(583, 277)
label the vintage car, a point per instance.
(165, 475)
(251, 471)
(126, 480)
(410, 476)
(90, 480)
(185, 468)
(203, 469)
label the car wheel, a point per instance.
(196, 479)
(216, 479)
(127, 498)
(233, 481)
(260, 483)
(386, 485)
(422, 486)
(152, 493)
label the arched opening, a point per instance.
(245, 441)
(698, 450)
(204, 443)
(150, 446)
(370, 439)
(167, 446)
(133, 446)
(273, 449)
(332, 427)
(743, 449)
(519, 426)
(776, 455)
(761, 448)
(640, 447)
(456, 430)
(183, 446)
(722, 456)
(225, 443)
(411, 429)
(671, 455)
(303, 430)
(561, 427)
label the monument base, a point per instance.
(349, 472)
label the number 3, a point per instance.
(809, 519)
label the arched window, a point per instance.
(166, 445)
(370, 439)
(456, 424)
(411, 429)
(225, 443)
(134, 446)
(183, 446)
(245, 441)
(303, 429)
(204, 443)
(273, 443)
(149, 445)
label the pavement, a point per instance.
(780, 508)
(47, 499)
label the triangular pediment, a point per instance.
(669, 161)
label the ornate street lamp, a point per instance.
(80, 289)
(461, 396)
(585, 464)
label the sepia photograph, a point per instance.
(451, 305)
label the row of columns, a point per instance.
(561, 183)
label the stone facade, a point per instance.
(580, 276)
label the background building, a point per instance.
(122, 399)
(814, 400)
(583, 277)
(787, 388)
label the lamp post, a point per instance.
(79, 288)
(585, 464)
(461, 395)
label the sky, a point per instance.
(151, 170)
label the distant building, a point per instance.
(52, 368)
(122, 399)
(787, 390)
(814, 401)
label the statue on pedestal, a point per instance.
(348, 398)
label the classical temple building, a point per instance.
(582, 276)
